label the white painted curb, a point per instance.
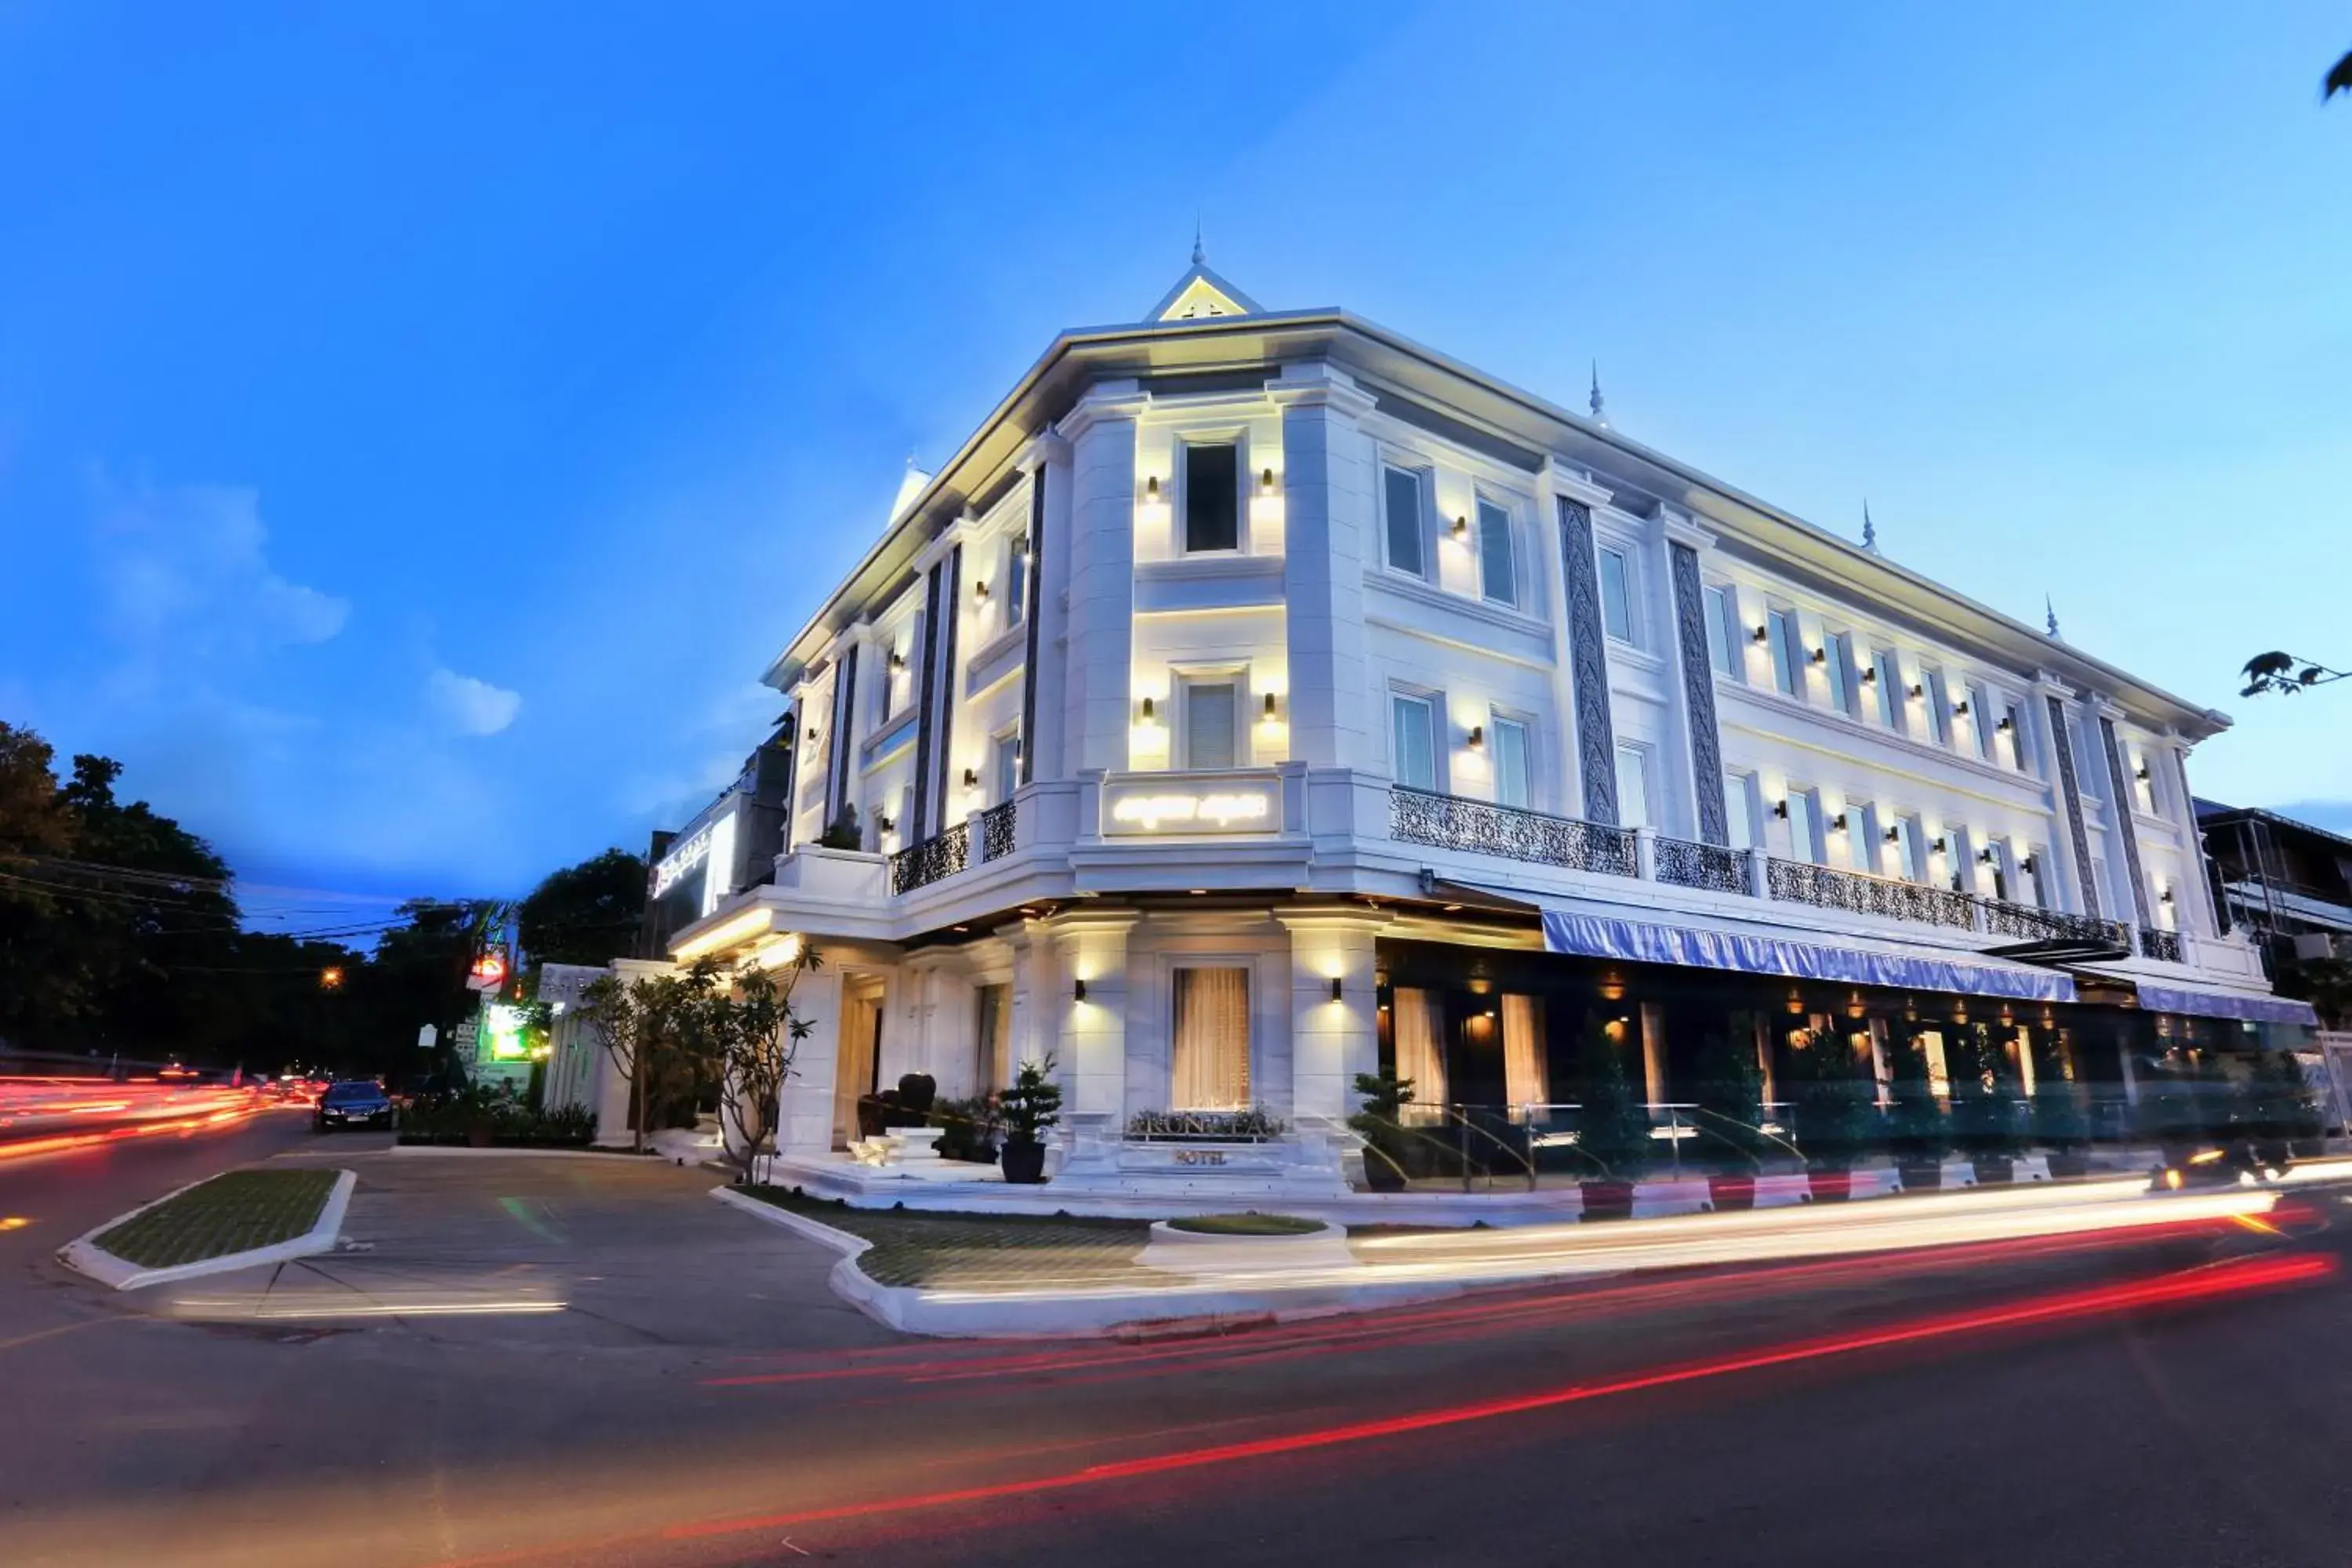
(83, 1252)
(1201, 1252)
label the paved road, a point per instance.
(699, 1399)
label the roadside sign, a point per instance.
(426, 1037)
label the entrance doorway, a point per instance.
(859, 1058)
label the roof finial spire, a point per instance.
(1869, 529)
(1200, 257)
(1598, 416)
(2050, 612)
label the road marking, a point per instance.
(61, 1329)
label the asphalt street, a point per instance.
(588, 1361)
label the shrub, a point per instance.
(1833, 1101)
(1613, 1128)
(1731, 1102)
(1921, 1133)
(1033, 1105)
(973, 1127)
(1384, 1095)
(1250, 1223)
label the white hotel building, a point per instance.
(1258, 698)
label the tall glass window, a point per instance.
(1016, 578)
(1511, 770)
(1889, 682)
(1007, 760)
(1211, 496)
(1805, 826)
(1914, 846)
(1839, 647)
(1498, 567)
(1739, 809)
(1723, 632)
(1416, 742)
(1788, 654)
(1209, 708)
(1402, 492)
(1634, 786)
(1940, 708)
(1616, 597)
(1981, 718)
(1212, 1065)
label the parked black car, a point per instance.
(354, 1104)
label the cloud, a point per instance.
(470, 706)
(187, 566)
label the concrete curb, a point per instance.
(468, 1150)
(1122, 1312)
(84, 1256)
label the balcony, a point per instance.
(1481, 828)
(2005, 918)
(2155, 943)
(1682, 863)
(1860, 893)
(945, 854)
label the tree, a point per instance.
(749, 1021)
(2339, 79)
(2285, 674)
(2324, 982)
(1613, 1128)
(587, 913)
(1920, 1136)
(1832, 1095)
(1730, 1100)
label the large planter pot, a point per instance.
(2066, 1163)
(1921, 1176)
(1731, 1194)
(1830, 1186)
(1994, 1170)
(1382, 1174)
(1022, 1161)
(1608, 1200)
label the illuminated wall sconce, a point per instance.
(2030, 866)
(1918, 689)
(1265, 483)
(1147, 710)
(1461, 527)
(1151, 488)
(1335, 988)
(2165, 897)
(1477, 737)
(1780, 809)
(1961, 707)
(884, 824)
(2140, 773)
(980, 589)
(1270, 715)
(1941, 847)
(1077, 991)
(2006, 724)
(1763, 634)
(1821, 655)
(897, 658)
(1984, 857)
(971, 778)
(1870, 677)
(1838, 822)
(1895, 835)
(812, 734)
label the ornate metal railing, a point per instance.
(1450, 822)
(2160, 944)
(1802, 882)
(996, 826)
(2005, 918)
(1709, 866)
(933, 859)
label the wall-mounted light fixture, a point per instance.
(1151, 488)
(1763, 634)
(2140, 773)
(1461, 527)
(1941, 847)
(1477, 737)
(1147, 710)
(1077, 990)
(1821, 655)
(1780, 809)
(1838, 822)
(1265, 483)
(971, 778)
(1269, 705)
(980, 589)
(2006, 724)
(2165, 897)
(897, 658)
(1895, 835)
(884, 824)
(1984, 857)
(1918, 689)
(2030, 866)
(1961, 707)
(812, 734)
(1335, 988)
(1870, 677)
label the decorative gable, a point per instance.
(1200, 294)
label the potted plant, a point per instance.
(1730, 1101)
(1921, 1133)
(2060, 1127)
(1376, 1120)
(842, 832)
(1032, 1106)
(1613, 1128)
(970, 1128)
(1834, 1113)
(2281, 1114)
(1984, 1117)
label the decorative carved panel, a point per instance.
(1698, 685)
(2062, 741)
(2123, 798)
(1596, 740)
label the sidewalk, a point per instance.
(1088, 1281)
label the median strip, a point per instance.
(234, 1220)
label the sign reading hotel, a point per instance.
(1175, 804)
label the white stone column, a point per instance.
(2198, 916)
(1096, 697)
(1331, 1041)
(806, 1123)
(1328, 511)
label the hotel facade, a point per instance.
(1259, 698)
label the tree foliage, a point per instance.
(587, 913)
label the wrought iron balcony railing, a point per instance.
(1708, 865)
(947, 853)
(2158, 943)
(1857, 892)
(996, 826)
(1451, 822)
(2005, 918)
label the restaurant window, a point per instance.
(1212, 1063)
(993, 1035)
(1211, 496)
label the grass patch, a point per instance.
(1250, 1223)
(973, 1251)
(234, 1212)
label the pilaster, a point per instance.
(1328, 512)
(1101, 431)
(1331, 1038)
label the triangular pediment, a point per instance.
(1200, 294)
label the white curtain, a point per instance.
(1212, 1066)
(1418, 1018)
(1527, 1077)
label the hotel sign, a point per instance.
(1166, 804)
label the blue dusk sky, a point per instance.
(420, 424)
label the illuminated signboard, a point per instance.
(685, 858)
(1192, 803)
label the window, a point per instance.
(2005, 869)
(1511, 772)
(2032, 874)
(1805, 826)
(1842, 694)
(1005, 763)
(1912, 841)
(991, 1036)
(1210, 708)
(2143, 781)
(1211, 496)
(1616, 597)
(1940, 708)
(1634, 786)
(1402, 491)
(2020, 753)
(1962, 860)
(1863, 844)
(1889, 679)
(1415, 721)
(1497, 571)
(1016, 578)
(1739, 810)
(1211, 1068)
(1980, 720)
(1723, 632)
(1788, 654)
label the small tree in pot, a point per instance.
(1377, 1121)
(2060, 1124)
(1613, 1128)
(1984, 1115)
(1031, 1107)
(1921, 1135)
(1834, 1110)
(1731, 1108)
